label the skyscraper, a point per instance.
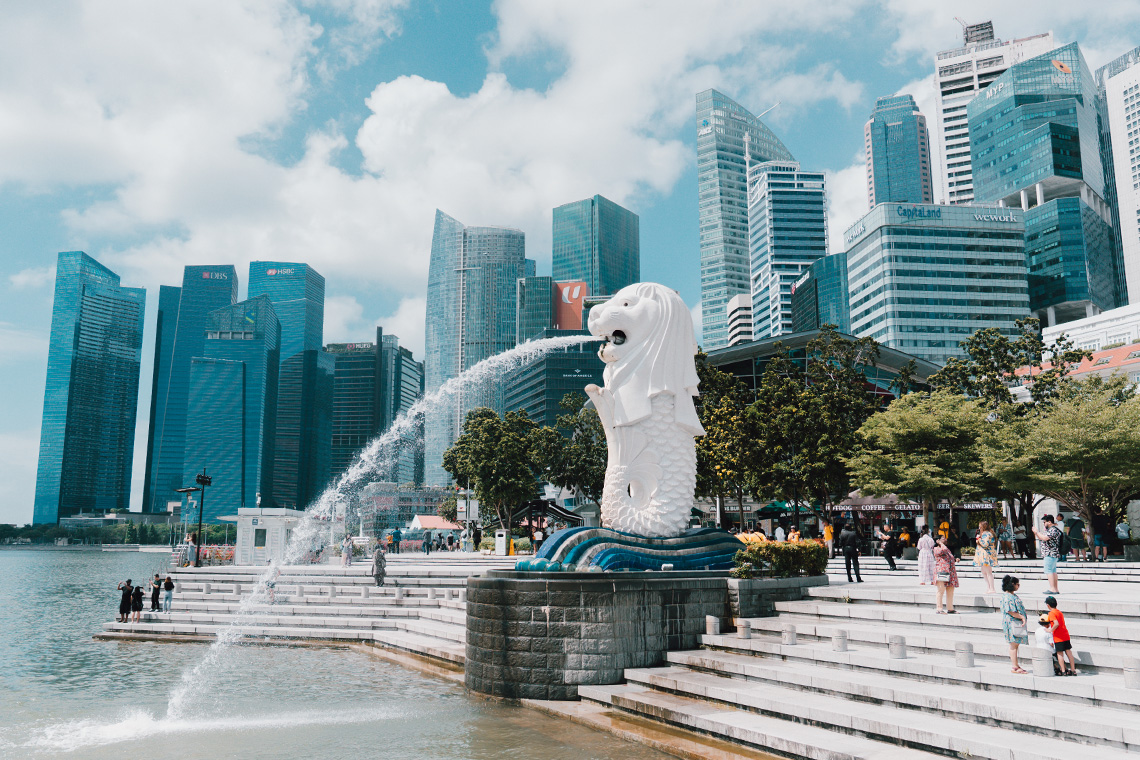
(165, 330)
(232, 402)
(740, 319)
(403, 386)
(597, 242)
(535, 305)
(959, 75)
(820, 297)
(204, 289)
(1119, 84)
(787, 231)
(539, 386)
(87, 438)
(471, 301)
(303, 443)
(722, 198)
(898, 153)
(1035, 145)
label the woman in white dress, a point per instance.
(925, 558)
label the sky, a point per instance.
(156, 135)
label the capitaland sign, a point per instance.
(1007, 218)
(910, 213)
(856, 231)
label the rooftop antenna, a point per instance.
(768, 111)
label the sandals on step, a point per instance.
(1019, 671)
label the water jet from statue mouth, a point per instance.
(617, 338)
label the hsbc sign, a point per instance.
(275, 272)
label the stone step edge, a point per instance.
(1042, 717)
(263, 635)
(739, 726)
(938, 734)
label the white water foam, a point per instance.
(312, 530)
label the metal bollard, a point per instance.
(1131, 673)
(431, 593)
(964, 654)
(839, 641)
(788, 636)
(399, 593)
(712, 625)
(205, 587)
(896, 646)
(1042, 663)
(331, 592)
(743, 629)
(463, 595)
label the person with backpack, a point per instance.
(1051, 548)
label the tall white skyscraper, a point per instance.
(959, 75)
(1119, 84)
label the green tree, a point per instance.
(132, 534)
(924, 447)
(576, 456)
(501, 457)
(1082, 449)
(726, 452)
(448, 508)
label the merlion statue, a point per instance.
(646, 409)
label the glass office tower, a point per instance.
(165, 328)
(598, 242)
(1035, 145)
(232, 400)
(722, 198)
(536, 298)
(539, 386)
(1118, 84)
(923, 278)
(820, 296)
(87, 437)
(403, 386)
(787, 231)
(471, 299)
(204, 289)
(898, 153)
(303, 446)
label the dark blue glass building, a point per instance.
(539, 386)
(297, 293)
(820, 296)
(897, 144)
(204, 289)
(535, 307)
(598, 242)
(1035, 145)
(232, 393)
(87, 439)
(165, 329)
(403, 386)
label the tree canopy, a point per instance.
(576, 459)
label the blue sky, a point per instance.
(154, 135)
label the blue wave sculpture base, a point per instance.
(604, 550)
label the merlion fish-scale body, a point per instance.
(646, 408)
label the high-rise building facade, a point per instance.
(204, 289)
(539, 386)
(1118, 83)
(722, 198)
(166, 326)
(403, 386)
(1035, 145)
(87, 437)
(897, 144)
(232, 403)
(598, 242)
(303, 445)
(960, 74)
(787, 231)
(923, 278)
(535, 307)
(740, 319)
(471, 302)
(820, 296)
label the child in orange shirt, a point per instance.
(1062, 644)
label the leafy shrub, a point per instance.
(487, 544)
(781, 559)
(522, 545)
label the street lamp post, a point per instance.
(202, 480)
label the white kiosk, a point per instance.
(263, 534)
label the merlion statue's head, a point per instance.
(649, 350)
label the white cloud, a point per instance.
(344, 321)
(19, 454)
(19, 343)
(846, 201)
(35, 277)
(407, 323)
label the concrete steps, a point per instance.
(1114, 570)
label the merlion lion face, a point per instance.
(625, 321)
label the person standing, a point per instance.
(397, 537)
(829, 538)
(1021, 541)
(538, 536)
(137, 603)
(779, 533)
(167, 594)
(1050, 539)
(379, 565)
(925, 557)
(1005, 541)
(891, 550)
(1013, 620)
(125, 601)
(426, 543)
(985, 555)
(1062, 644)
(155, 588)
(1101, 529)
(849, 544)
(1075, 529)
(346, 552)
(946, 576)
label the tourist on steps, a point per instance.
(1062, 644)
(426, 546)
(125, 601)
(849, 544)
(379, 565)
(925, 558)
(946, 576)
(829, 538)
(137, 603)
(891, 549)
(1044, 637)
(1013, 620)
(346, 552)
(168, 594)
(1050, 539)
(155, 588)
(985, 555)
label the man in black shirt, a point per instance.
(849, 544)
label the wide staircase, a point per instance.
(421, 608)
(871, 671)
(1069, 570)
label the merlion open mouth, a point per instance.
(617, 337)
